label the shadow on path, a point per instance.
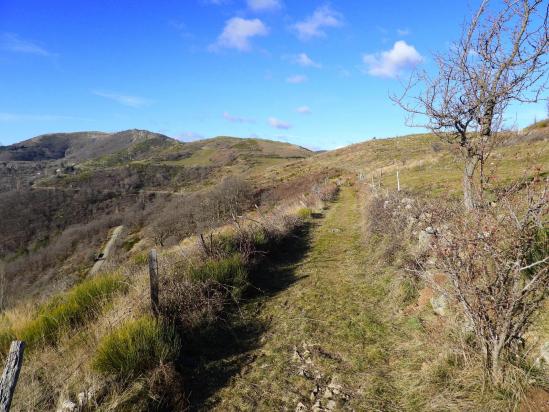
(222, 350)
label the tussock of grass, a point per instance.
(230, 271)
(135, 348)
(80, 304)
(304, 213)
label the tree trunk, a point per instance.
(495, 367)
(469, 195)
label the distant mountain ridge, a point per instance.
(77, 146)
(152, 159)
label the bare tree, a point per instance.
(497, 263)
(501, 57)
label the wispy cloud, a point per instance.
(296, 79)
(237, 34)
(181, 28)
(264, 5)
(279, 124)
(403, 32)
(313, 26)
(305, 61)
(13, 43)
(124, 99)
(392, 62)
(237, 119)
(21, 117)
(343, 72)
(304, 110)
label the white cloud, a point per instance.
(296, 79)
(304, 60)
(238, 32)
(392, 62)
(279, 124)
(403, 32)
(264, 5)
(313, 25)
(126, 100)
(236, 119)
(304, 110)
(12, 42)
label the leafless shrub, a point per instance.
(190, 304)
(326, 192)
(295, 187)
(496, 260)
(201, 212)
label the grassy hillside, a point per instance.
(294, 298)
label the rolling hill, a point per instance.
(74, 159)
(297, 296)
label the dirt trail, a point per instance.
(326, 341)
(106, 251)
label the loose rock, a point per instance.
(439, 304)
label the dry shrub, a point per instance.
(326, 192)
(190, 304)
(391, 222)
(198, 212)
(496, 259)
(296, 187)
(200, 287)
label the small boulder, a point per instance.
(439, 305)
(67, 406)
(300, 407)
(543, 354)
(424, 241)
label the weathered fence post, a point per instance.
(398, 182)
(153, 278)
(14, 362)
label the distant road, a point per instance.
(106, 251)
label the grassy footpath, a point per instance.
(327, 339)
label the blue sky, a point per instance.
(313, 73)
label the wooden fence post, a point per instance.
(8, 382)
(398, 182)
(153, 278)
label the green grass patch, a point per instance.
(140, 259)
(135, 348)
(305, 213)
(130, 242)
(74, 308)
(539, 125)
(230, 272)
